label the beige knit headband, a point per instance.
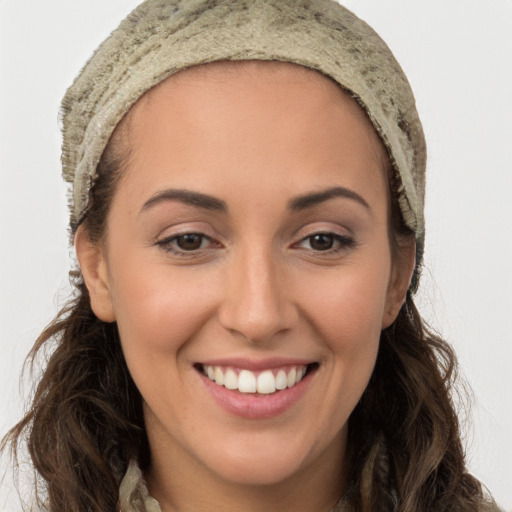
(161, 37)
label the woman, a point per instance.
(250, 236)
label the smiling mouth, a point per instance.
(264, 382)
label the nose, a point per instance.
(256, 303)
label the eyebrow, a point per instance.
(313, 199)
(197, 199)
(212, 203)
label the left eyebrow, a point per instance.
(315, 198)
(189, 197)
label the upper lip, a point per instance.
(256, 364)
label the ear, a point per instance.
(91, 258)
(401, 275)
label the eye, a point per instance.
(190, 241)
(186, 243)
(326, 242)
(321, 242)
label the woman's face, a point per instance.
(247, 247)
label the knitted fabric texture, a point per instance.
(162, 37)
(133, 492)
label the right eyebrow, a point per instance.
(189, 197)
(315, 198)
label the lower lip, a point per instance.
(253, 406)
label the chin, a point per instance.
(268, 460)
(269, 470)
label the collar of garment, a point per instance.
(134, 495)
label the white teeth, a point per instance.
(246, 381)
(231, 380)
(291, 377)
(266, 383)
(219, 376)
(281, 380)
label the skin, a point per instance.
(255, 136)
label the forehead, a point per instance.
(253, 120)
(224, 84)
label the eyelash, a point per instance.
(169, 244)
(342, 242)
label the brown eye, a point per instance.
(329, 243)
(190, 242)
(321, 242)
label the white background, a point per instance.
(458, 56)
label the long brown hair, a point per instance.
(85, 422)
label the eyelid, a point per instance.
(344, 238)
(315, 228)
(165, 240)
(173, 228)
(167, 244)
(345, 241)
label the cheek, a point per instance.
(347, 308)
(158, 310)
